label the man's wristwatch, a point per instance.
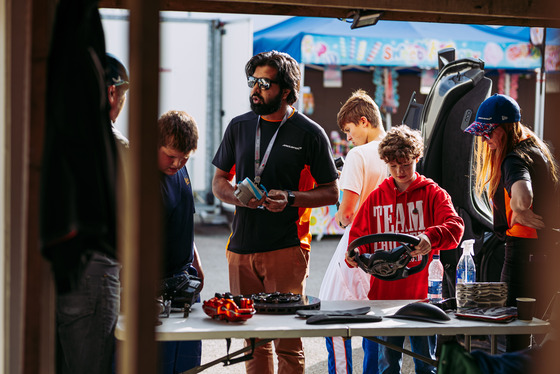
(291, 197)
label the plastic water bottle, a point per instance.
(466, 269)
(435, 278)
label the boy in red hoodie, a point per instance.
(406, 203)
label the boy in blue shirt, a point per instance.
(178, 137)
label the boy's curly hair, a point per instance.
(178, 130)
(401, 144)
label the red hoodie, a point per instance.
(424, 208)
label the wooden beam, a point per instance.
(141, 257)
(39, 327)
(491, 12)
(18, 342)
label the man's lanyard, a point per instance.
(259, 166)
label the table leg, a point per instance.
(493, 344)
(468, 343)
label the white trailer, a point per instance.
(202, 65)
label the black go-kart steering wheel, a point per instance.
(387, 265)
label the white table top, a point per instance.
(271, 326)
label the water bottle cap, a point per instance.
(468, 246)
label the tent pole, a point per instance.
(301, 84)
(540, 129)
(388, 121)
(541, 76)
(537, 101)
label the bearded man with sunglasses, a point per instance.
(288, 156)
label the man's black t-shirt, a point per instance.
(301, 150)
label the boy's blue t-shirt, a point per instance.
(178, 212)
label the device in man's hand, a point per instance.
(247, 189)
(339, 162)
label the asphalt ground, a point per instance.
(211, 242)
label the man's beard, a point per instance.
(267, 108)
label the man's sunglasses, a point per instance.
(121, 83)
(264, 83)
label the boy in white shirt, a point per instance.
(359, 118)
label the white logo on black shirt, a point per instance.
(292, 147)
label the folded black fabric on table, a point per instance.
(346, 312)
(326, 319)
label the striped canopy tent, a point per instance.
(325, 41)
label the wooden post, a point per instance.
(142, 212)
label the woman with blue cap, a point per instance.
(521, 177)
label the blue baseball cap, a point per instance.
(495, 110)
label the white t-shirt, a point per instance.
(363, 170)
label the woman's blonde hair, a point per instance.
(487, 162)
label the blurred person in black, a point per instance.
(78, 183)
